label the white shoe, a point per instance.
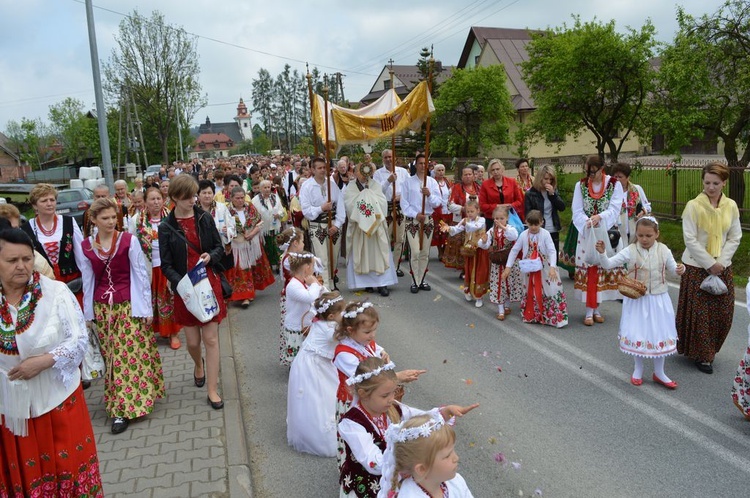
(479, 303)
(467, 295)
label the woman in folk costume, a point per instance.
(369, 261)
(476, 267)
(462, 192)
(251, 269)
(442, 213)
(544, 299)
(47, 444)
(271, 210)
(741, 384)
(636, 204)
(117, 294)
(597, 201)
(145, 227)
(220, 213)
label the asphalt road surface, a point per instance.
(558, 415)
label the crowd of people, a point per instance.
(246, 221)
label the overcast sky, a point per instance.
(44, 52)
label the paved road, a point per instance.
(557, 404)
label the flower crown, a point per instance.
(649, 218)
(308, 255)
(285, 245)
(361, 309)
(364, 376)
(327, 304)
(396, 433)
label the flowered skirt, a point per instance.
(451, 255)
(262, 272)
(439, 238)
(282, 331)
(554, 306)
(291, 340)
(134, 379)
(567, 256)
(647, 326)
(242, 283)
(703, 320)
(503, 292)
(164, 319)
(741, 385)
(57, 458)
(341, 408)
(271, 248)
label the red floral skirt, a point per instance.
(57, 458)
(241, 282)
(164, 319)
(262, 272)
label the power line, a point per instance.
(31, 99)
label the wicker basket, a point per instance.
(499, 256)
(468, 250)
(630, 287)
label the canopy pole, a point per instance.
(426, 153)
(312, 110)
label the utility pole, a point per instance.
(101, 111)
(179, 128)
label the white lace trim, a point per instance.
(69, 355)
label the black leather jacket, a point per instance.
(174, 250)
(535, 200)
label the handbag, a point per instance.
(226, 287)
(197, 293)
(92, 366)
(530, 265)
(614, 237)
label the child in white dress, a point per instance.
(544, 299)
(291, 240)
(502, 236)
(363, 427)
(647, 326)
(420, 460)
(741, 384)
(311, 394)
(301, 292)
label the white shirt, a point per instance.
(545, 246)
(445, 194)
(381, 176)
(510, 234)
(467, 225)
(411, 198)
(313, 195)
(608, 217)
(299, 303)
(457, 488)
(268, 211)
(347, 363)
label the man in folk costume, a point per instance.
(313, 197)
(369, 262)
(387, 178)
(411, 205)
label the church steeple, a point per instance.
(243, 121)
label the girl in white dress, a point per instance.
(543, 296)
(313, 380)
(290, 241)
(363, 427)
(647, 326)
(741, 384)
(420, 460)
(502, 235)
(301, 292)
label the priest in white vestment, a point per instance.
(369, 260)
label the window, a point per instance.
(387, 85)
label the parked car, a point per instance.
(152, 170)
(74, 202)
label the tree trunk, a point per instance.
(736, 171)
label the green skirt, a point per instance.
(567, 256)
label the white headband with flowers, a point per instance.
(360, 309)
(356, 379)
(327, 304)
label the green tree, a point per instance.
(590, 77)
(31, 140)
(158, 64)
(472, 111)
(261, 144)
(72, 128)
(264, 98)
(704, 86)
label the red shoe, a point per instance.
(668, 385)
(636, 382)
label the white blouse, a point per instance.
(268, 211)
(411, 199)
(299, 303)
(545, 246)
(457, 488)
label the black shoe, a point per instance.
(119, 425)
(200, 381)
(216, 405)
(461, 276)
(384, 291)
(414, 288)
(425, 286)
(85, 384)
(705, 367)
(399, 273)
(369, 289)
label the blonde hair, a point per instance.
(368, 315)
(496, 161)
(501, 208)
(368, 386)
(41, 190)
(544, 170)
(422, 450)
(9, 212)
(100, 205)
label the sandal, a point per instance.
(500, 316)
(598, 318)
(175, 342)
(588, 321)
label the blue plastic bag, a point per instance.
(515, 221)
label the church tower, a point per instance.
(243, 121)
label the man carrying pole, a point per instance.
(392, 179)
(419, 199)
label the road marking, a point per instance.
(671, 423)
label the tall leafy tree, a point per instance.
(704, 86)
(264, 98)
(31, 140)
(590, 77)
(76, 132)
(472, 111)
(158, 64)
